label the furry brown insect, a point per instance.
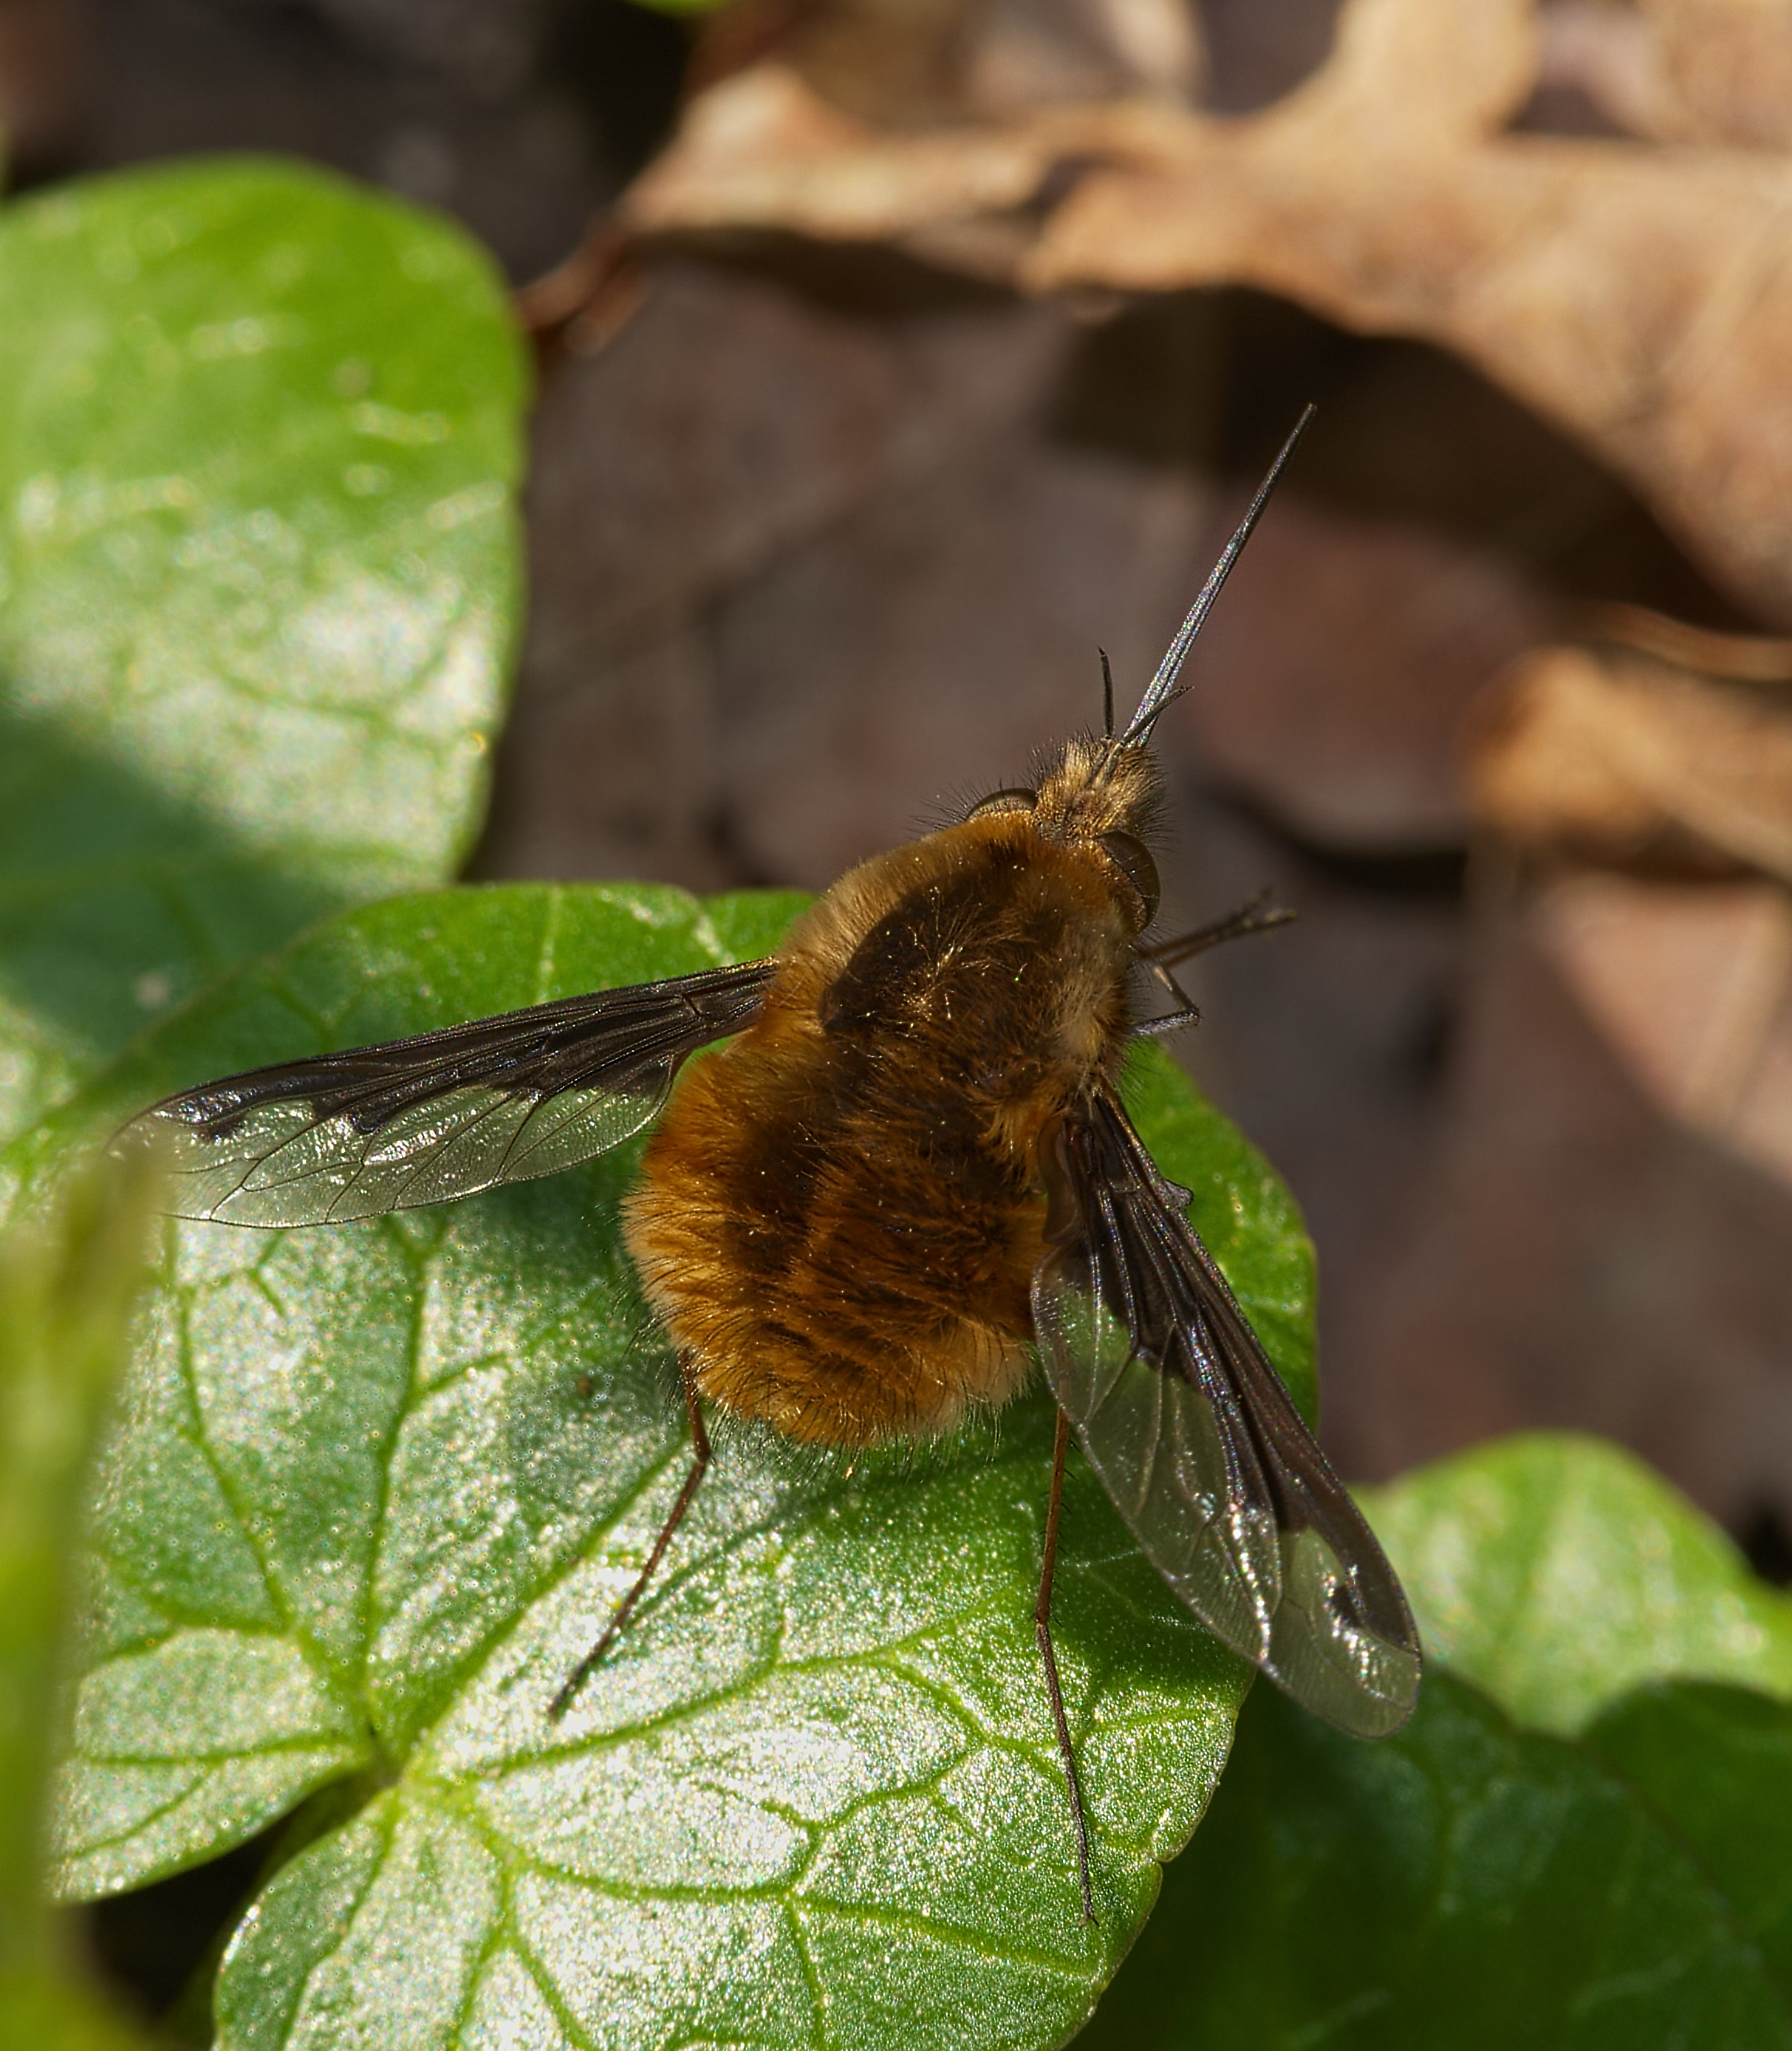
(907, 1170)
(840, 1215)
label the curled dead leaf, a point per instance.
(1710, 71)
(1690, 986)
(762, 150)
(1639, 298)
(1655, 746)
(1728, 64)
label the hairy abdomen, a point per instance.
(840, 1215)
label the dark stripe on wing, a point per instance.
(440, 1114)
(1200, 1446)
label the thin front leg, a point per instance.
(1258, 916)
(1186, 1013)
(1171, 1021)
(624, 1609)
(1042, 1631)
(1159, 958)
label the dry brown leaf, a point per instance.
(1341, 716)
(1692, 987)
(1680, 71)
(1741, 658)
(1609, 60)
(761, 149)
(1541, 772)
(1611, 1254)
(1728, 64)
(1581, 1254)
(903, 65)
(1629, 754)
(1641, 298)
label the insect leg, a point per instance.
(1251, 918)
(700, 1441)
(1171, 1021)
(1042, 1631)
(1186, 1013)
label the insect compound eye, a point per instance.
(1014, 799)
(1134, 861)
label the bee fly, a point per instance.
(906, 1174)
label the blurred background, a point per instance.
(897, 354)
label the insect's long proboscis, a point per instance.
(1163, 687)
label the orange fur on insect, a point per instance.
(838, 1216)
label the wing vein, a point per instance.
(1199, 1444)
(368, 1130)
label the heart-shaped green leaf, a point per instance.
(1558, 1572)
(1470, 1885)
(66, 1287)
(1467, 1886)
(377, 1487)
(259, 439)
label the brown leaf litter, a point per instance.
(1638, 295)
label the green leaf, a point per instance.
(1558, 1572)
(66, 1289)
(378, 1487)
(259, 442)
(1465, 1886)
(1715, 1764)
(51, 2013)
(1468, 1884)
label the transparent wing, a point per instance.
(386, 1128)
(1200, 1446)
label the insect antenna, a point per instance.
(1163, 687)
(1107, 695)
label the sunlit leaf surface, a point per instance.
(1558, 1572)
(259, 439)
(377, 1486)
